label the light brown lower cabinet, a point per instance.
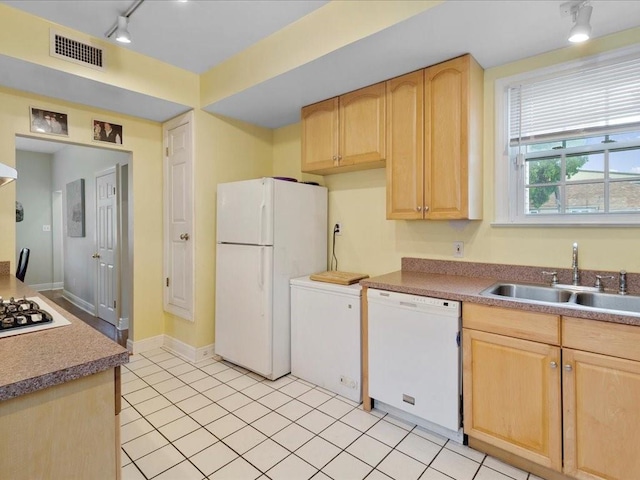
(512, 395)
(571, 408)
(68, 431)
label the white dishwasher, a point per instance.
(414, 358)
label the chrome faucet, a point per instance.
(574, 265)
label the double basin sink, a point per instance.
(566, 295)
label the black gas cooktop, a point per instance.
(21, 313)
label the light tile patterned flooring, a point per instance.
(213, 420)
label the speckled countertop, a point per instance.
(463, 281)
(37, 360)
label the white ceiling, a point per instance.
(198, 35)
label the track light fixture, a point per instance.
(121, 26)
(580, 12)
(122, 33)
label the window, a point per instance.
(570, 143)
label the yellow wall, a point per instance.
(144, 140)
(226, 150)
(371, 244)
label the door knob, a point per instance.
(184, 236)
(95, 255)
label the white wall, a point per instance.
(70, 164)
(33, 190)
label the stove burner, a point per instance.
(21, 313)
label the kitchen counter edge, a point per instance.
(467, 289)
(37, 360)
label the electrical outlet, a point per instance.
(458, 249)
(338, 228)
(46, 228)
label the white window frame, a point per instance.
(508, 200)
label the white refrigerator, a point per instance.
(268, 232)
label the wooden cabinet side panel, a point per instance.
(319, 135)
(534, 326)
(446, 139)
(65, 431)
(405, 154)
(362, 125)
(601, 416)
(512, 396)
(364, 312)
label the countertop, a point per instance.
(467, 288)
(37, 360)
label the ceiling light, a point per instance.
(120, 28)
(581, 16)
(122, 34)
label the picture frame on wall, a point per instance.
(48, 121)
(107, 132)
(75, 208)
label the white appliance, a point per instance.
(325, 336)
(268, 231)
(414, 359)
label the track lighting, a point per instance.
(122, 34)
(580, 11)
(121, 26)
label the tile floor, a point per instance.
(214, 420)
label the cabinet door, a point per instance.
(446, 138)
(362, 123)
(512, 395)
(320, 135)
(601, 416)
(405, 138)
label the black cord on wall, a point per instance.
(333, 249)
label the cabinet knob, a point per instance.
(335, 158)
(426, 208)
(568, 367)
(553, 364)
(418, 208)
(339, 157)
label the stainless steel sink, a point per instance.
(536, 293)
(609, 301)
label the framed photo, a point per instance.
(47, 121)
(75, 208)
(107, 132)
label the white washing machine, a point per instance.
(326, 336)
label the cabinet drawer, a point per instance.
(607, 338)
(538, 327)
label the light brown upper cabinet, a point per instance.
(434, 140)
(345, 133)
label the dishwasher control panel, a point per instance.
(408, 300)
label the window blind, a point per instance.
(597, 99)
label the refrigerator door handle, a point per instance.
(263, 211)
(261, 269)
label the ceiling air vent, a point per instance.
(82, 53)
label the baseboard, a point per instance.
(79, 302)
(57, 285)
(187, 352)
(173, 345)
(145, 345)
(40, 287)
(123, 323)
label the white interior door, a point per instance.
(244, 288)
(178, 216)
(107, 245)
